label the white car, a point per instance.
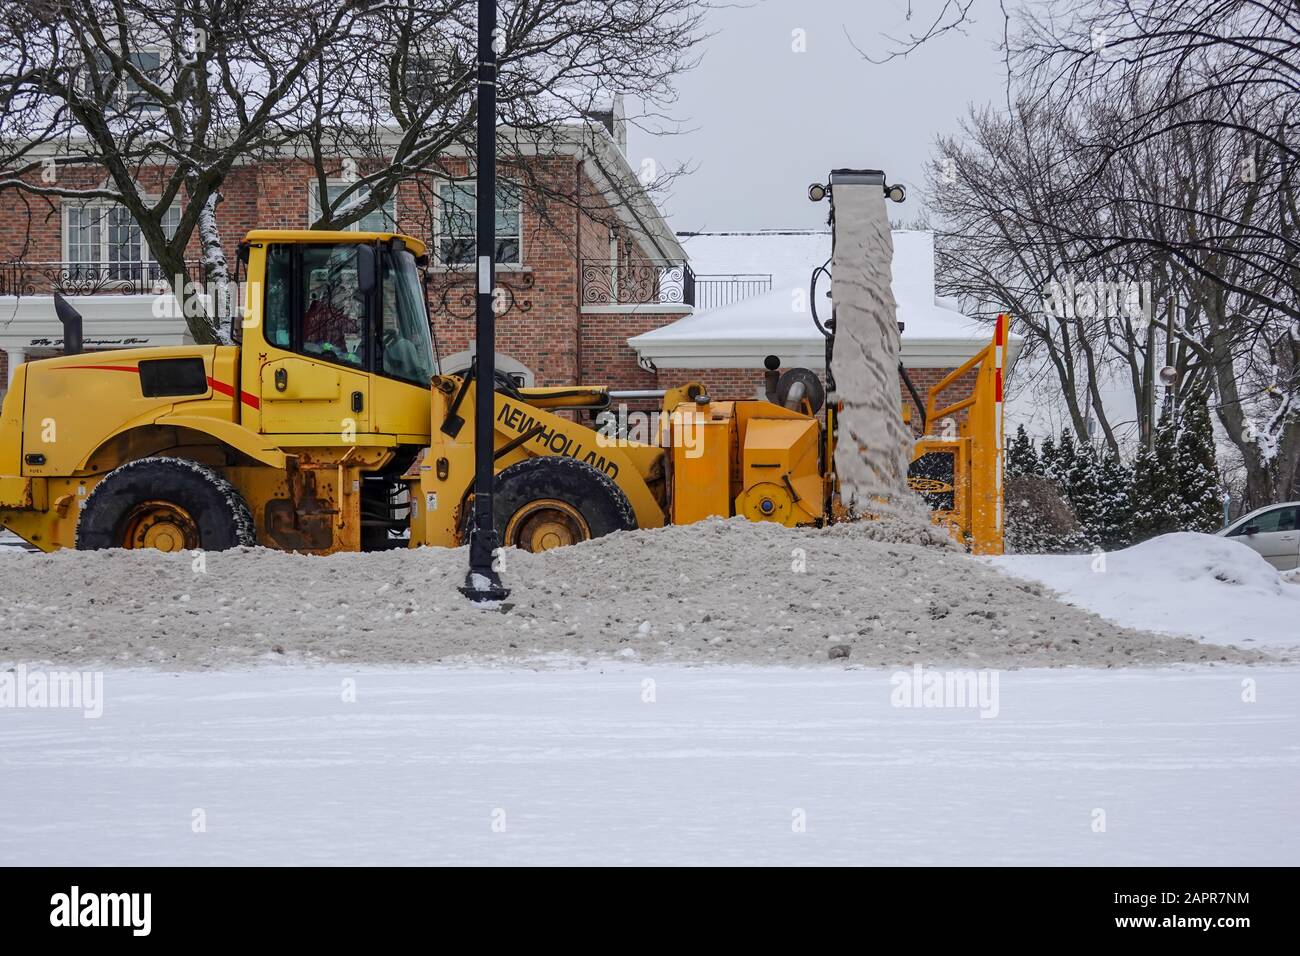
(1273, 532)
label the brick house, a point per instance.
(581, 247)
(595, 287)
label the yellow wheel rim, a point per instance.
(544, 524)
(160, 525)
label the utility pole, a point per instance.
(483, 583)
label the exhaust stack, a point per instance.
(71, 320)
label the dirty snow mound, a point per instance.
(897, 529)
(1200, 585)
(719, 591)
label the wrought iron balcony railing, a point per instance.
(651, 282)
(19, 277)
(639, 282)
(714, 291)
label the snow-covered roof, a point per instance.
(741, 334)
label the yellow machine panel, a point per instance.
(86, 399)
(781, 476)
(299, 396)
(442, 478)
(703, 450)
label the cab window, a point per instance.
(319, 283)
(279, 296)
(334, 309)
(314, 305)
(405, 340)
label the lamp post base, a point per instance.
(483, 587)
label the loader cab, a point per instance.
(337, 339)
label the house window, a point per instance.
(103, 239)
(84, 234)
(128, 91)
(426, 77)
(456, 239)
(383, 219)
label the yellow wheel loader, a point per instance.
(327, 428)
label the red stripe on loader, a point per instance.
(220, 387)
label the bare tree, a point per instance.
(1150, 140)
(142, 103)
(1028, 207)
(1227, 66)
(997, 190)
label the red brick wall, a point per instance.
(723, 384)
(540, 327)
(29, 227)
(607, 359)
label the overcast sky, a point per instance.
(765, 121)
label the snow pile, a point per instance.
(1195, 584)
(718, 591)
(893, 528)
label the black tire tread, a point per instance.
(221, 508)
(595, 494)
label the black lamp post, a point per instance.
(483, 583)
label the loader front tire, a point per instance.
(170, 504)
(548, 502)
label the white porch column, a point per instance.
(16, 357)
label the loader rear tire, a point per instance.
(548, 502)
(171, 504)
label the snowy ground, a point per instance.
(1197, 585)
(719, 768)
(573, 730)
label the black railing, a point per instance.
(714, 291)
(639, 282)
(453, 292)
(20, 278)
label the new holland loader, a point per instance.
(327, 428)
